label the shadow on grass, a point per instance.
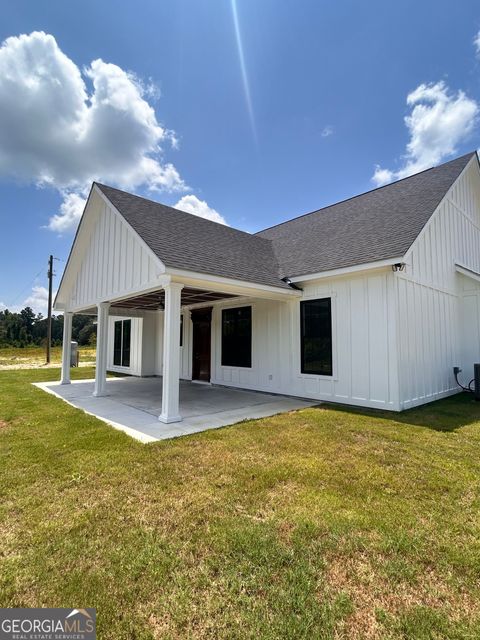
(449, 414)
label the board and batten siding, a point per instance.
(364, 353)
(430, 292)
(115, 262)
(364, 342)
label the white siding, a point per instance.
(430, 296)
(396, 336)
(185, 349)
(470, 327)
(364, 355)
(266, 370)
(148, 366)
(115, 262)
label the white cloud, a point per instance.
(191, 204)
(63, 127)
(70, 212)
(3, 306)
(327, 131)
(476, 44)
(438, 122)
(37, 300)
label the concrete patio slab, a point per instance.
(134, 404)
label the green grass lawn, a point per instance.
(35, 356)
(322, 523)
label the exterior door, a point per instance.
(202, 334)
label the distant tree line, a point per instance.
(26, 328)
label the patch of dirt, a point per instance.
(36, 365)
(370, 590)
(3, 424)
(160, 625)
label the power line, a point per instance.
(29, 286)
(49, 317)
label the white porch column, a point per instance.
(67, 347)
(171, 353)
(102, 342)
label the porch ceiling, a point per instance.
(156, 299)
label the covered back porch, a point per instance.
(171, 303)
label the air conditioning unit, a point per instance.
(474, 384)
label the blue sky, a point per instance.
(170, 111)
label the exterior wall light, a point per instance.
(398, 266)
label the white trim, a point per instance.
(64, 277)
(366, 266)
(75, 253)
(67, 347)
(218, 283)
(465, 271)
(171, 354)
(420, 283)
(238, 305)
(445, 197)
(333, 319)
(102, 349)
(125, 222)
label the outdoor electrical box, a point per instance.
(74, 354)
(476, 378)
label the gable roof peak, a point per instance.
(465, 156)
(376, 225)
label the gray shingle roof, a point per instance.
(185, 241)
(376, 225)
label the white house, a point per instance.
(370, 302)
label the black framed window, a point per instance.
(316, 336)
(181, 331)
(121, 343)
(237, 337)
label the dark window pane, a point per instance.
(316, 336)
(117, 344)
(237, 337)
(127, 330)
(181, 331)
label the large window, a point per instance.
(316, 336)
(121, 343)
(237, 337)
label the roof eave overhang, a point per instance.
(230, 285)
(466, 271)
(346, 271)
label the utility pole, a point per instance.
(49, 318)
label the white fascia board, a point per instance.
(229, 285)
(64, 278)
(130, 228)
(345, 271)
(466, 271)
(473, 159)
